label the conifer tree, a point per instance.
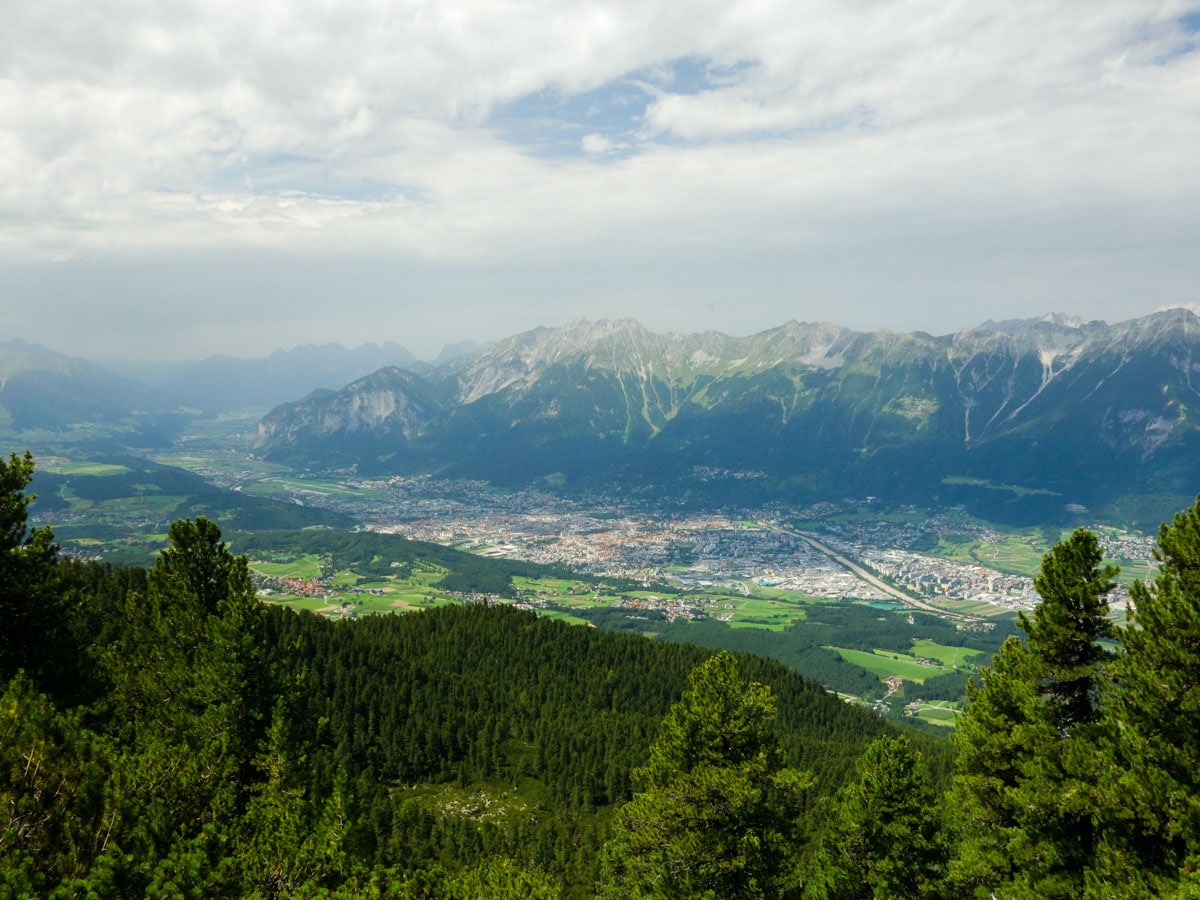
(883, 837)
(1067, 626)
(992, 745)
(289, 842)
(1151, 795)
(58, 812)
(190, 696)
(197, 568)
(27, 609)
(1026, 742)
(716, 817)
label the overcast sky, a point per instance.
(181, 178)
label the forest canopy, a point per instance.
(164, 733)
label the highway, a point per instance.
(873, 580)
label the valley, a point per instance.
(494, 574)
(942, 559)
(755, 493)
(874, 602)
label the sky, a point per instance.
(183, 178)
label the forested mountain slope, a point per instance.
(184, 733)
(41, 389)
(163, 733)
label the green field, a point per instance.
(942, 714)
(979, 609)
(983, 483)
(228, 462)
(954, 657)
(1016, 554)
(83, 468)
(761, 612)
(884, 663)
(365, 594)
(785, 596)
(1021, 554)
(308, 603)
(564, 594)
(765, 608)
(1134, 570)
(558, 587)
(563, 616)
(308, 566)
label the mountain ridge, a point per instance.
(809, 406)
(41, 388)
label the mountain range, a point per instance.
(1025, 421)
(1020, 420)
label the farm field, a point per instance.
(756, 612)
(942, 658)
(81, 467)
(977, 608)
(954, 657)
(884, 663)
(940, 713)
(217, 461)
(1020, 553)
(757, 608)
(1134, 570)
(1017, 554)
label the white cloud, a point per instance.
(597, 144)
(1026, 138)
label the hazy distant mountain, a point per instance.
(41, 389)
(456, 350)
(1024, 419)
(225, 383)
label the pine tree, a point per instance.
(28, 611)
(1067, 626)
(289, 841)
(197, 568)
(882, 839)
(1152, 792)
(189, 698)
(716, 816)
(992, 745)
(1026, 744)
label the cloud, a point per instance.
(597, 143)
(826, 142)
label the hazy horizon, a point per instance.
(452, 347)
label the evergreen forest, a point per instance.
(165, 734)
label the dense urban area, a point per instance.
(837, 549)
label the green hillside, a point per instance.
(210, 740)
(164, 733)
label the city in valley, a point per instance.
(835, 589)
(846, 548)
